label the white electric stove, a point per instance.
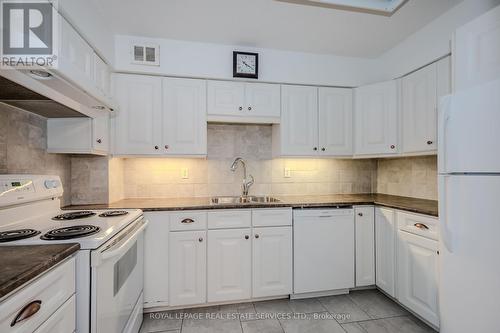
(109, 282)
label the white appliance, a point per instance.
(323, 251)
(469, 196)
(109, 266)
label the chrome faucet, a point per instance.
(246, 182)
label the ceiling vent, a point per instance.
(146, 54)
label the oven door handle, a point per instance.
(121, 249)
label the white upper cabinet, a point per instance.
(335, 121)
(476, 51)
(385, 242)
(376, 116)
(297, 135)
(420, 93)
(229, 265)
(102, 75)
(184, 117)
(243, 102)
(137, 123)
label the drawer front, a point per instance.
(231, 218)
(268, 217)
(63, 321)
(52, 289)
(422, 225)
(191, 220)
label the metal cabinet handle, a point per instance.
(323, 149)
(249, 108)
(421, 226)
(156, 147)
(187, 221)
(257, 236)
(247, 237)
(393, 146)
(200, 239)
(360, 214)
(240, 108)
(29, 310)
(430, 142)
(167, 146)
(99, 141)
(315, 148)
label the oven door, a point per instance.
(117, 279)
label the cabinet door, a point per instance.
(262, 100)
(299, 121)
(365, 246)
(226, 98)
(137, 123)
(335, 121)
(443, 68)
(229, 265)
(100, 133)
(187, 267)
(102, 75)
(184, 117)
(385, 235)
(377, 119)
(419, 110)
(417, 275)
(272, 261)
(156, 259)
(476, 54)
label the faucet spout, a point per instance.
(247, 181)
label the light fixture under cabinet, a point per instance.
(380, 7)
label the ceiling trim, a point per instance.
(322, 4)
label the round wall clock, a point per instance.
(245, 64)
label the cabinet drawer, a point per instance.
(422, 225)
(62, 321)
(233, 218)
(51, 290)
(271, 217)
(193, 220)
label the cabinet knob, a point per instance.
(360, 214)
(249, 108)
(257, 236)
(240, 108)
(99, 141)
(393, 146)
(323, 149)
(315, 148)
(200, 239)
(247, 237)
(167, 146)
(156, 147)
(430, 142)
(421, 226)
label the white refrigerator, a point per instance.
(469, 210)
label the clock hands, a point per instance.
(247, 65)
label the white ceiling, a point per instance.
(285, 24)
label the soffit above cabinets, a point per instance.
(379, 7)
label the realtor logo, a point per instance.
(27, 33)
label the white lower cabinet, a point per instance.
(365, 246)
(187, 267)
(385, 240)
(272, 261)
(229, 265)
(417, 275)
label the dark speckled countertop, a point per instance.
(21, 264)
(422, 206)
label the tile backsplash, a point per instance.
(161, 177)
(410, 177)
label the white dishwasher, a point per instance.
(323, 251)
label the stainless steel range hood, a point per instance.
(21, 97)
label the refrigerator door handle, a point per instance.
(443, 119)
(445, 233)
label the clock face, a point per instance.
(245, 65)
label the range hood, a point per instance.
(45, 93)
(21, 97)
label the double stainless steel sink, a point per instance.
(243, 200)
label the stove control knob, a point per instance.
(49, 184)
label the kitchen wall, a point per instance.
(161, 177)
(410, 177)
(23, 143)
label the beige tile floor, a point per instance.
(367, 311)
